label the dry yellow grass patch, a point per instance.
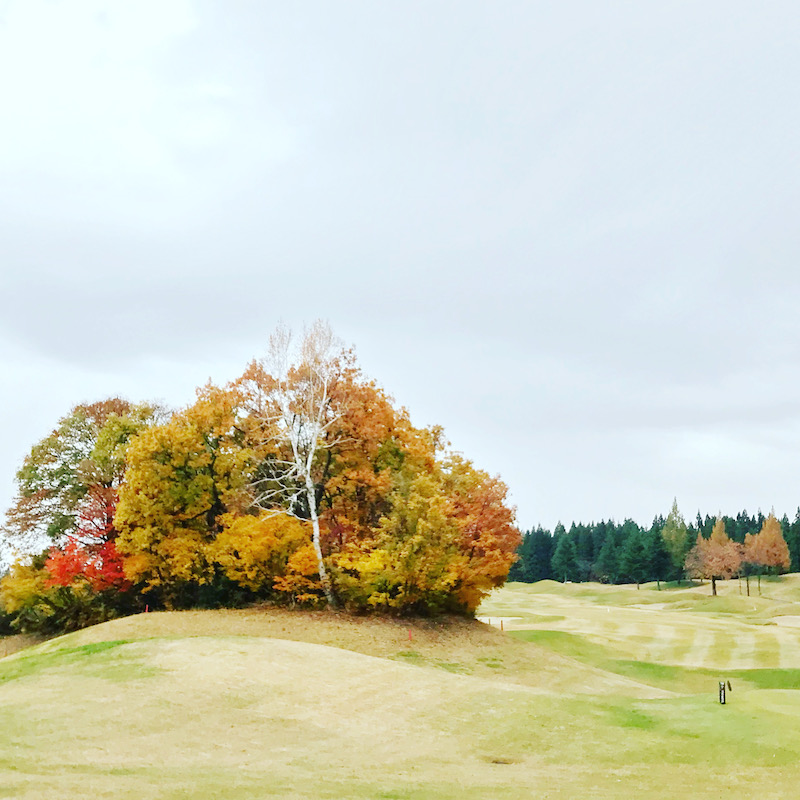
(21, 641)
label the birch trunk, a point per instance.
(323, 573)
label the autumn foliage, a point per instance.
(299, 483)
(767, 550)
(715, 557)
(64, 518)
(719, 557)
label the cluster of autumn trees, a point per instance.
(669, 549)
(720, 557)
(300, 483)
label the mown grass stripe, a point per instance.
(700, 649)
(724, 644)
(789, 648)
(662, 642)
(682, 644)
(742, 655)
(767, 655)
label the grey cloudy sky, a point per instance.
(566, 231)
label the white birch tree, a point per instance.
(293, 405)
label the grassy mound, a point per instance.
(453, 644)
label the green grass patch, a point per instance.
(419, 660)
(700, 680)
(409, 656)
(627, 717)
(451, 666)
(568, 644)
(99, 660)
(768, 678)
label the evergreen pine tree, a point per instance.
(634, 560)
(600, 533)
(607, 566)
(793, 540)
(521, 567)
(565, 559)
(541, 555)
(659, 559)
(582, 536)
(534, 555)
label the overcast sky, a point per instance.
(566, 231)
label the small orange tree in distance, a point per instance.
(714, 558)
(767, 549)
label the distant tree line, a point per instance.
(626, 552)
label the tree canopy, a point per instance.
(299, 482)
(715, 557)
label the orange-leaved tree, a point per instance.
(395, 521)
(767, 550)
(717, 557)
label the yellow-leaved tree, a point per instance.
(254, 550)
(182, 478)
